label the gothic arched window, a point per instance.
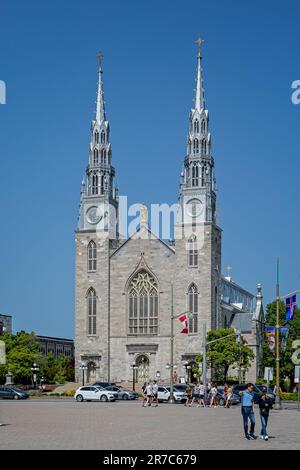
(143, 305)
(192, 252)
(193, 300)
(102, 137)
(195, 175)
(103, 156)
(92, 311)
(196, 146)
(196, 126)
(92, 256)
(102, 184)
(96, 137)
(95, 184)
(203, 147)
(96, 155)
(203, 126)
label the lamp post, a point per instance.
(134, 367)
(277, 396)
(82, 367)
(34, 370)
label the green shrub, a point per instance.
(289, 396)
(69, 393)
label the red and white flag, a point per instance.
(184, 323)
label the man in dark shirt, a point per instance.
(265, 405)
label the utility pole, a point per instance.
(277, 398)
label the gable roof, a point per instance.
(143, 228)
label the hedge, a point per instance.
(289, 396)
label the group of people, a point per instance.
(150, 394)
(196, 393)
(264, 403)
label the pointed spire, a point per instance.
(199, 101)
(100, 108)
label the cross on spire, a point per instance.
(199, 41)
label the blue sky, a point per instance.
(48, 59)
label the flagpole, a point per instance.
(172, 345)
(277, 398)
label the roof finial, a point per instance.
(100, 57)
(229, 270)
(144, 213)
(100, 108)
(199, 102)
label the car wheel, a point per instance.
(103, 398)
(125, 397)
(221, 402)
(79, 398)
(16, 397)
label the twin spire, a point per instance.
(199, 99)
(100, 104)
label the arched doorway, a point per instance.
(91, 372)
(142, 363)
(191, 377)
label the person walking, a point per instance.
(144, 390)
(155, 393)
(195, 394)
(213, 395)
(201, 394)
(149, 394)
(229, 396)
(247, 402)
(188, 396)
(265, 405)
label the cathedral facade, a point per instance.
(130, 292)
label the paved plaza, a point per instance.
(65, 424)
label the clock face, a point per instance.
(194, 207)
(93, 215)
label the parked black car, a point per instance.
(12, 393)
(257, 389)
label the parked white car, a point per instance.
(164, 394)
(93, 393)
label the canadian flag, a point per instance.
(184, 323)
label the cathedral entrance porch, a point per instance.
(143, 366)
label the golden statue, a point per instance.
(144, 213)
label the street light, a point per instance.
(34, 370)
(83, 367)
(134, 367)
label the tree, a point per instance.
(225, 353)
(56, 370)
(269, 357)
(22, 350)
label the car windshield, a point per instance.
(17, 390)
(99, 387)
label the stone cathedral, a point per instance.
(126, 288)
